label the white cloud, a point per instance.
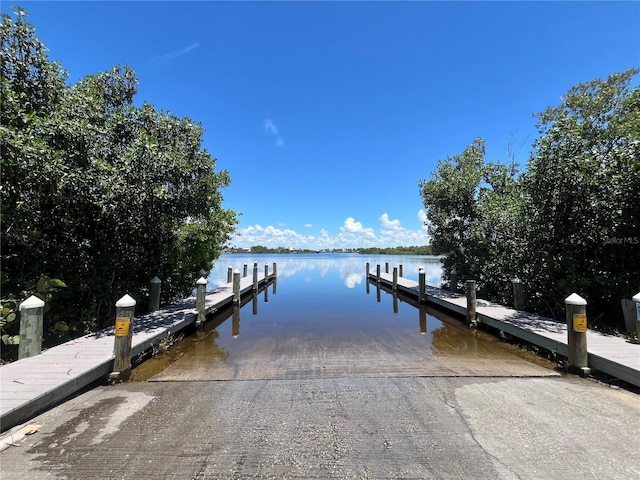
(351, 226)
(178, 53)
(352, 234)
(271, 128)
(390, 226)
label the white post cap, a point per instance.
(636, 297)
(31, 302)
(237, 271)
(156, 280)
(201, 281)
(575, 299)
(126, 301)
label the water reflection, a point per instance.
(350, 267)
(320, 325)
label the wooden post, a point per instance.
(31, 327)
(386, 267)
(471, 302)
(230, 274)
(453, 281)
(266, 272)
(422, 286)
(367, 268)
(401, 272)
(378, 273)
(236, 286)
(395, 278)
(636, 299)
(576, 317)
(154, 294)
(123, 336)
(255, 277)
(245, 270)
(275, 271)
(201, 293)
(518, 294)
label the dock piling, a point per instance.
(518, 294)
(422, 286)
(453, 280)
(255, 277)
(401, 271)
(378, 273)
(229, 274)
(471, 302)
(236, 286)
(31, 327)
(154, 294)
(576, 317)
(245, 270)
(636, 299)
(123, 336)
(395, 278)
(201, 293)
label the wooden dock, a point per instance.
(608, 354)
(33, 384)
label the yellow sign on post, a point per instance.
(579, 322)
(122, 326)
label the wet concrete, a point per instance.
(336, 428)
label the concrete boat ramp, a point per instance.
(33, 384)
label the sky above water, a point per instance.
(327, 115)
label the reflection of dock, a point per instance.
(607, 354)
(33, 384)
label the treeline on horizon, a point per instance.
(400, 250)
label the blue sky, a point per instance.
(327, 115)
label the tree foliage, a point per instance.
(569, 223)
(96, 191)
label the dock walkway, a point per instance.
(608, 354)
(33, 384)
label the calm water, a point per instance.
(322, 319)
(326, 292)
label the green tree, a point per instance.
(450, 199)
(474, 217)
(582, 188)
(96, 191)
